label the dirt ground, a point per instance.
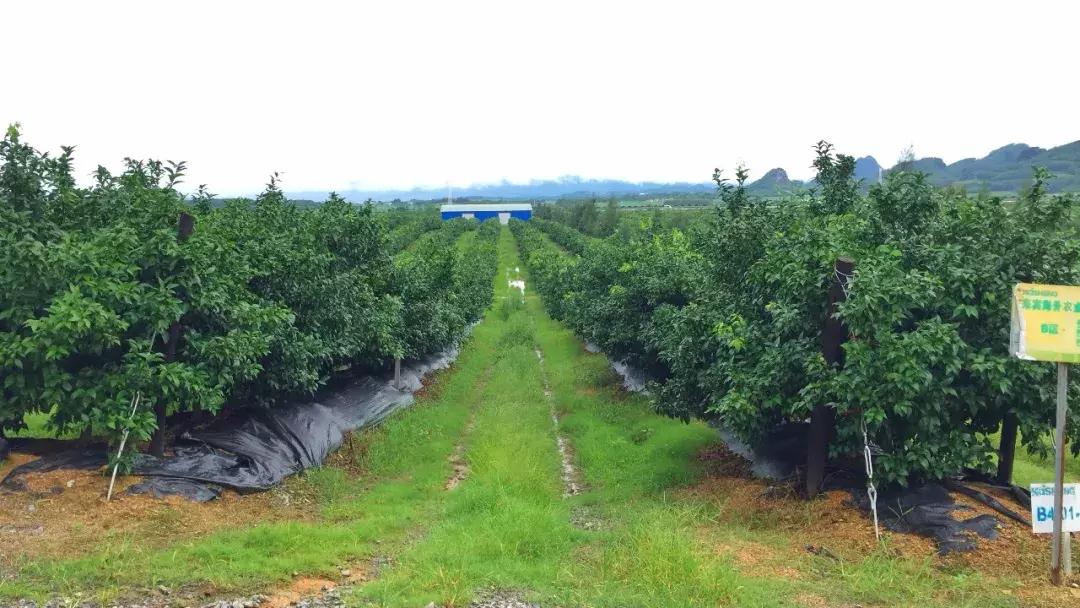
(833, 526)
(64, 509)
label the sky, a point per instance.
(397, 94)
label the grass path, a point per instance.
(635, 535)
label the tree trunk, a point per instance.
(1007, 448)
(157, 443)
(833, 336)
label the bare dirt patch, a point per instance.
(314, 592)
(300, 588)
(588, 518)
(832, 526)
(431, 385)
(501, 598)
(459, 469)
(570, 475)
(63, 514)
(758, 559)
(14, 459)
(810, 600)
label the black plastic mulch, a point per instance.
(84, 459)
(256, 448)
(929, 510)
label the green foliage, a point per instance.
(93, 279)
(609, 221)
(728, 315)
(444, 289)
(564, 236)
(408, 226)
(583, 216)
(328, 266)
(271, 297)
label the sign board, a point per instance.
(1046, 323)
(1042, 508)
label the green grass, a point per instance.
(1029, 467)
(508, 525)
(37, 427)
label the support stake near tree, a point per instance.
(120, 450)
(833, 336)
(184, 229)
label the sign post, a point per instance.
(1046, 327)
(1058, 550)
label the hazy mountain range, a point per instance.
(1006, 169)
(565, 187)
(776, 181)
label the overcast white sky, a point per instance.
(396, 94)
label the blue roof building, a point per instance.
(484, 211)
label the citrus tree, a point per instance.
(728, 315)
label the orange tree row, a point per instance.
(100, 299)
(728, 315)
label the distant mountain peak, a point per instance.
(1012, 153)
(1006, 169)
(776, 176)
(774, 180)
(867, 169)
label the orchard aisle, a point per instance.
(510, 529)
(518, 528)
(463, 500)
(662, 517)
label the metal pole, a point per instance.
(120, 451)
(1057, 550)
